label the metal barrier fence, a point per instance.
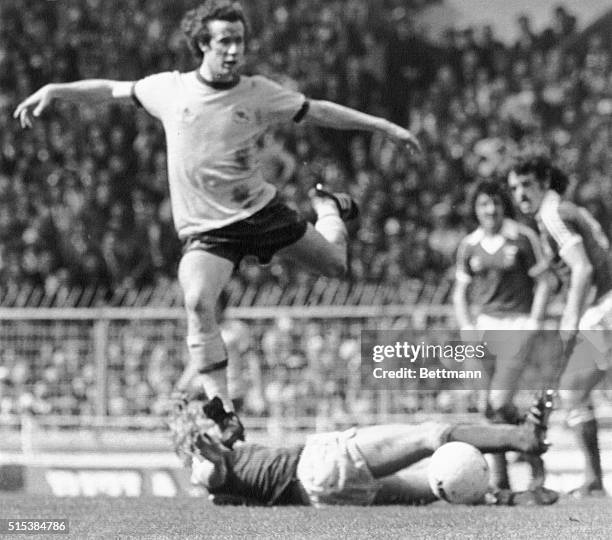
(123, 362)
(118, 366)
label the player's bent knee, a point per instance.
(202, 308)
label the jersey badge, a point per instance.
(242, 116)
(475, 263)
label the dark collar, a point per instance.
(217, 85)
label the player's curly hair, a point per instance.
(543, 169)
(492, 188)
(195, 22)
(187, 424)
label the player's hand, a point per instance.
(404, 138)
(33, 106)
(210, 448)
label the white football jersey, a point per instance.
(211, 136)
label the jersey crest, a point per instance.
(243, 115)
(475, 264)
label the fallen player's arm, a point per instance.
(208, 466)
(85, 91)
(333, 115)
(581, 269)
(206, 473)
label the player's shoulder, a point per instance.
(159, 82)
(266, 85)
(164, 75)
(555, 207)
(258, 82)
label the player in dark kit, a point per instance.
(573, 235)
(500, 297)
(361, 466)
(223, 208)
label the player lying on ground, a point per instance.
(222, 206)
(500, 296)
(574, 235)
(362, 466)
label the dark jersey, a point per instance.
(563, 224)
(500, 268)
(267, 475)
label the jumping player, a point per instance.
(501, 292)
(222, 206)
(578, 240)
(362, 466)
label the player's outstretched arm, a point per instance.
(85, 91)
(329, 114)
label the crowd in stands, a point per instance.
(84, 197)
(288, 368)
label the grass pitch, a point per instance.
(196, 518)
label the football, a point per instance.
(458, 473)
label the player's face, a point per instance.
(224, 53)
(526, 191)
(489, 212)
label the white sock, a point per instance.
(208, 350)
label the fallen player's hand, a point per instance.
(210, 448)
(187, 422)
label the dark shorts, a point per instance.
(261, 235)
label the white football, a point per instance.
(458, 473)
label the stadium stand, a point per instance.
(84, 203)
(84, 211)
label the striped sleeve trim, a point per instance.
(556, 227)
(302, 112)
(134, 97)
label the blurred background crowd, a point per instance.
(84, 196)
(282, 368)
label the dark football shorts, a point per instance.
(261, 235)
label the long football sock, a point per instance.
(211, 375)
(586, 435)
(499, 471)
